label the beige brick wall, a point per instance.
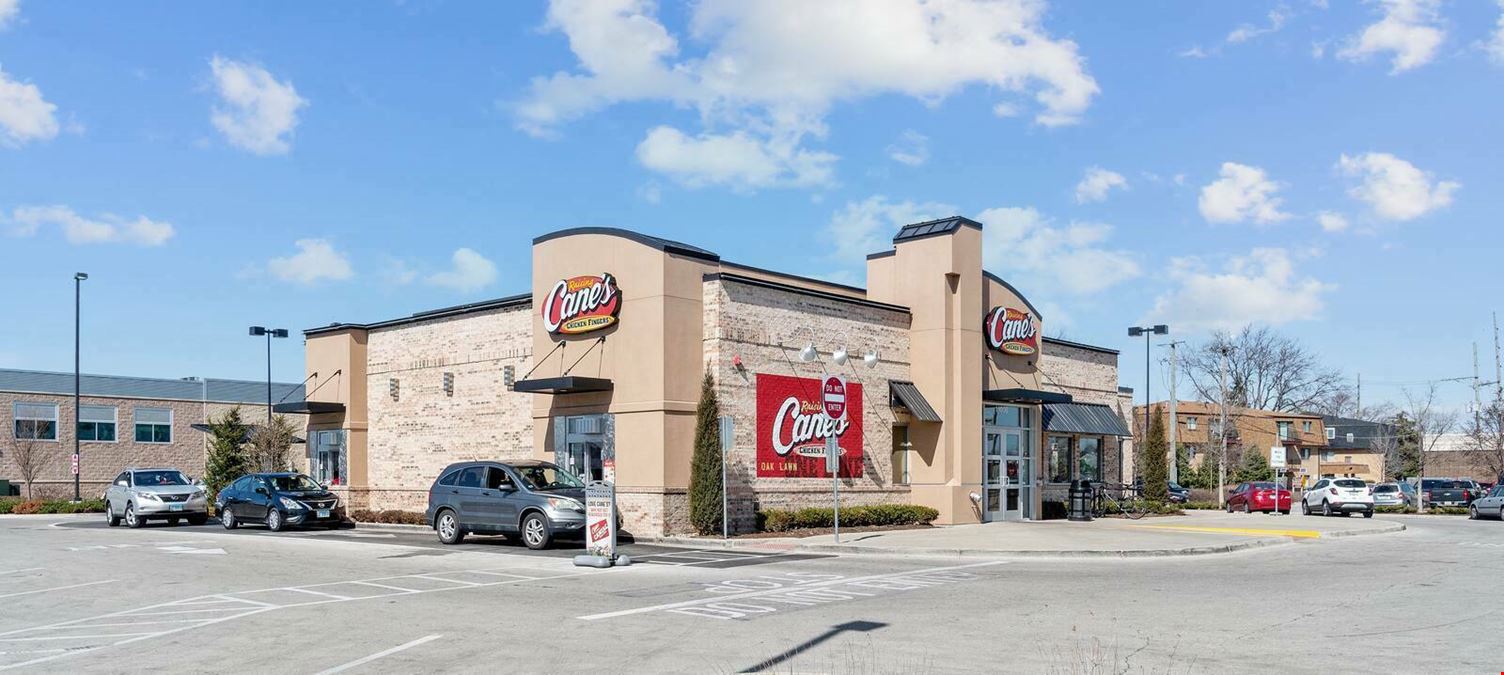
(414, 436)
(767, 328)
(101, 461)
(1090, 376)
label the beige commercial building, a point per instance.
(955, 399)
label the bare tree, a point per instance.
(1485, 441)
(31, 457)
(1430, 422)
(270, 445)
(1265, 371)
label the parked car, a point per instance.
(1444, 492)
(1338, 495)
(531, 500)
(1490, 504)
(139, 495)
(1178, 494)
(1258, 496)
(1393, 494)
(279, 500)
(1472, 488)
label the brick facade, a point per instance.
(1090, 376)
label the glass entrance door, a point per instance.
(1007, 474)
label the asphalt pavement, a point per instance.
(79, 597)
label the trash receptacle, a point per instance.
(1080, 501)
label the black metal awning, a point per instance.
(249, 432)
(1083, 418)
(1024, 396)
(568, 384)
(309, 407)
(903, 394)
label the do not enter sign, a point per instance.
(833, 393)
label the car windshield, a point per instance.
(157, 478)
(1387, 488)
(547, 477)
(1175, 486)
(1432, 483)
(1351, 483)
(1262, 486)
(293, 483)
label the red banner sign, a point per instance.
(581, 304)
(1011, 331)
(792, 428)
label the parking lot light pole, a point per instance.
(270, 333)
(78, 282)
(1147, 331)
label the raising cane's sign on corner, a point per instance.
(792, 428)
(1011, 331)
(581, 304)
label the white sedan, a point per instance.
(1338, 495)
(1490, 505)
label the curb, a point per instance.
(1389, 528)
(392, 527)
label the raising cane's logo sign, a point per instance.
(792, 428)
(1011, 331)
(581, 304)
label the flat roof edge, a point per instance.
(764, 283)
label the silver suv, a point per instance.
(139, 495)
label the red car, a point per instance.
(1250, 497)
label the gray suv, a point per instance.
(139, 495)
(531, 500)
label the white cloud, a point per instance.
(1410, 30)
(868, 226)
(1495, 44)
(1097, 182)
(470, 272)
(911, 148)
(1193, 52)
(9, 10)
(316, 260)
(1331, 221)
(1243, 193)
(106, 229)
(1248, 31)
(24, 114)
(1074, 258)
(1395, 188)
(738, 160)
(759, 78)
(257, 113)
(1261, 287)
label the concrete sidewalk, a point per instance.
(1196, 533)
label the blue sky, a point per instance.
(1330, 169)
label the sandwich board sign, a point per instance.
(600, 519)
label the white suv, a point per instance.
(1338, 495)
(138, 495)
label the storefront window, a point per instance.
(1005, 416)
(1089, 449)
(1059, 458)
(326, 456)
(900, 455)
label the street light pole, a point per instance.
(1147, 331)
(78, 281)
(269, 333)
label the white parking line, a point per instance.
(327, 595)
(753, 594)
(380, 654)
(431, 577)
(28, 569)
(394, 588)
(56, 588)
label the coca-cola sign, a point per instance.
(581, 304)
(792, 428)
(1011, 331)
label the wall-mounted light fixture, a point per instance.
(449, 384)
(508, 377)
(393, 388)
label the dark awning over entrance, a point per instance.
(906, 395)
(309, 407)
(250, 431)
(1024, 396)
(1083, 418)
(568, 384)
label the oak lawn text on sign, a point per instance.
(792, 428)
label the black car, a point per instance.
(278, 500)
(1179, 494)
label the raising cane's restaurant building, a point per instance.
(955, 399)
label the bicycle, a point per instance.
(1131, 505)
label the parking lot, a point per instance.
(79, 596)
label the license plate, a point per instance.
(174, 507)
(323, 513)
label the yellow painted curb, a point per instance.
(1252, 532)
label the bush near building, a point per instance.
(782, 520)
(1430, 510)
(389, 516)
(30, 506)
(1156, 469)
(705, 466)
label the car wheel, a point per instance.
(535, 532)
(109, 515)
(1472, 512)
(1247, 507)
(274, 520)
(1326, 508)
(131, 519)
(449, 528)
(198, 520)
(227, 519)
(1305, 508)
(1229, 507)
(174, 521)
(1368, 514)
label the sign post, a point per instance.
(728, 431)
(833, 399)
(1277, 462)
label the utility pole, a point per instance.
(1477, 398)
(1358, 397)
(1222, 430)
(1498, 370)
(1174, 419)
